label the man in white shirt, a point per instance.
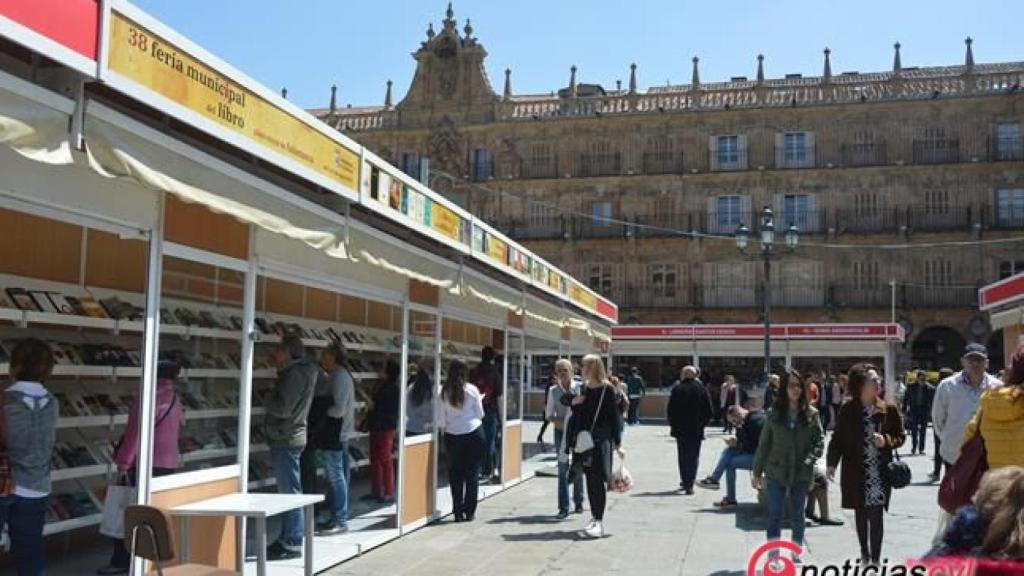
(956, 400)
(558, 414)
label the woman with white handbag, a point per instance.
(169, 415)
(598, 425)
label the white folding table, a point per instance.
(258, 507)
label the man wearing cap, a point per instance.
(956, 400)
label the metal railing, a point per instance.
(802, 158)
(728, 296)
(853, 296)
(1007, 219)
(866, 221)
(663, 163)
(918, 296)
(546, 228)
(533, 169)
(603, 164)
(930, 218)
(719, 161)
(653, 297)
(863, 154)
(584, 227)
(938, 151)
(658, 225)
(790, 296)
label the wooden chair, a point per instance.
(148, 534)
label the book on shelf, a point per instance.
(43, 301)
(5, 300)
(120, 310)
(73, 505)
(22, 299)
(103, 451)
(72, 455)
(68, 305)
(91, 307)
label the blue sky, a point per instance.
(307, 45)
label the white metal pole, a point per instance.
(892, 300)
(403, 375)
(245, 393)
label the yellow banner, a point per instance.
(583, 298)
(446, 222)
(497, 250)
(145, 58)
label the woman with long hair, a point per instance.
(991, 528)
(868, 430)
(461, 417)
(596, 411)
(419, 417)
(791, 442)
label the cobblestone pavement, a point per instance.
(654, 529)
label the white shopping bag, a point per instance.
(118, 498)
(622, 480)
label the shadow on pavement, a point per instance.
(536, 519)
(542, 536)
(657, 494)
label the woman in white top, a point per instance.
(461, 417)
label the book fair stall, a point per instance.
(660, 351)
(1004, 303)
(157, 203)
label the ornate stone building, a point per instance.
(637, 192)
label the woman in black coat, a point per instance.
(867, 431)
(596, 411)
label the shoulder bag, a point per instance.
(962, 478)
(897, 473)
(585, 438)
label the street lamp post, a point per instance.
(768, 252)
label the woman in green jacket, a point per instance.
(791, 443)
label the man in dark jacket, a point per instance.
(487, 379)
(287, 412)
(739, 454)
(917, 409)
(689, 411)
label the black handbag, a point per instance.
(897, 473)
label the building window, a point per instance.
(938, 272)
(865, 204)
(728, 151)
(411, 164)
(936, 202)
(729, 284)
(663, 280)
(794, 149)
(798, 283)
(1009, 268)
(728, 212)
(1008, 142)
(935, 147)
(601, 213)
(796, 210)
(865, 275)
(483, 165)
(599, 278)
(1010, 207)
(541, 213)
(601, 159)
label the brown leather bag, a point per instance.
(962, 478)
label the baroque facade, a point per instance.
(637, 192)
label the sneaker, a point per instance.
(459, 517)
(688, 491)
(709, 483)
(725, 503)
(562, 514)
(331, 528)
(830, 522)
(469, 517)
(933, 477)
(594, 530)
(278, 551)
(579, 509)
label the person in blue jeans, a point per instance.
(791, 443)
(738, 455)
(557, 412)
(336, 429)
(28, 429)
(287, 413)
